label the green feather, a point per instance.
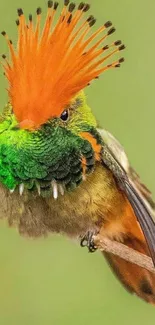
(53, 152)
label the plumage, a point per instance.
(51, 150)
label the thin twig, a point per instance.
(126, 253)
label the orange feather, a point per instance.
(48, 69)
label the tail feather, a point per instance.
(134, 278)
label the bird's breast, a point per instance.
(96, 201)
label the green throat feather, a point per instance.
(37, 159)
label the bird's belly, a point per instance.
(95, 202)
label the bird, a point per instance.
(52, 145)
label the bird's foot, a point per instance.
(88, 241)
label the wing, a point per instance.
(139, 196)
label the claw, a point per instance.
(88, 241)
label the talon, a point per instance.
(84, 242)
(88, 241)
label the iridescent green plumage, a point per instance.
(53, 152)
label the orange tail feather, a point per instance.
(134, 278)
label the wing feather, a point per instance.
(139, 196)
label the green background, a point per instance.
(54, 281)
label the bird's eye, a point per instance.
(64, 116)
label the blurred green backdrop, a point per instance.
(54, 281)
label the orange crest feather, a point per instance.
(47, 71)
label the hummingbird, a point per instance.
(52, 145)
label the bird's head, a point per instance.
(48, 135)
